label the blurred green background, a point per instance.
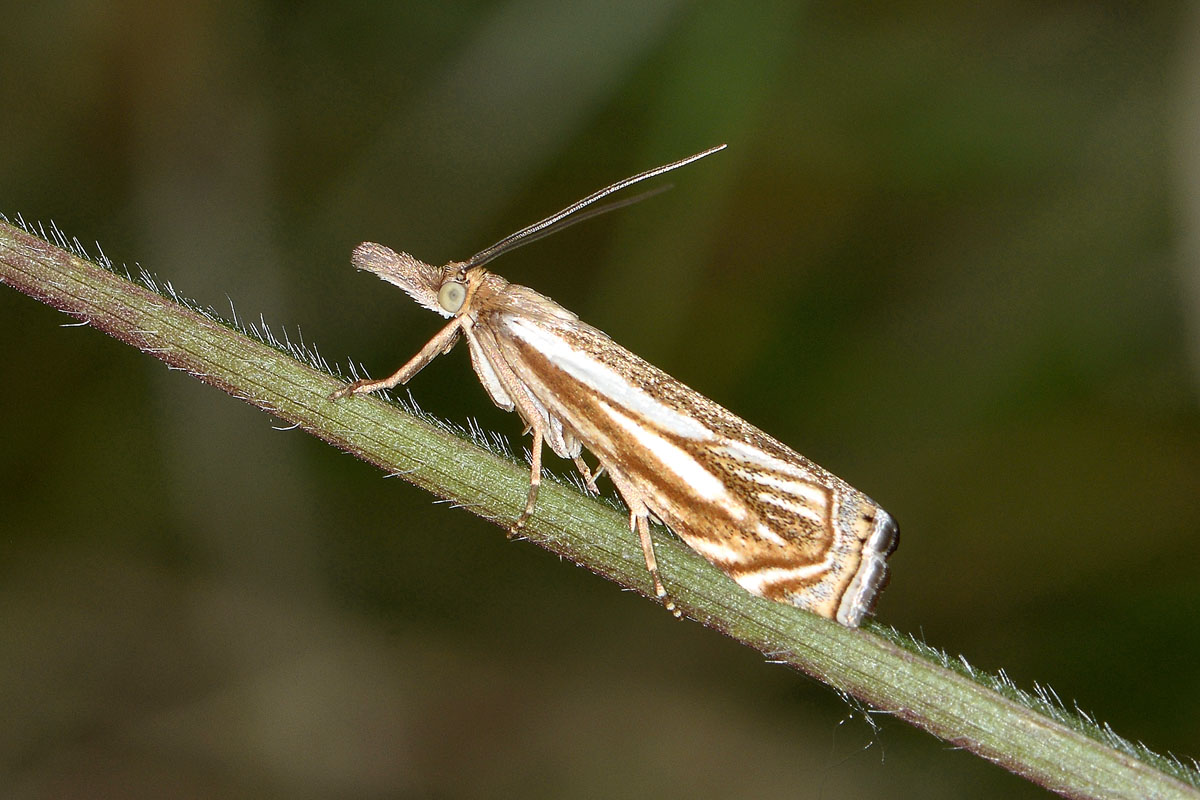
(951, 254)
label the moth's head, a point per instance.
(444, 290)
(459, 286)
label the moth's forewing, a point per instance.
(781, 526)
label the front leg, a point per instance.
(441, 343)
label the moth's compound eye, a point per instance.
(451, 296)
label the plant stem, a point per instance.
(1032, 736)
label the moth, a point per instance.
(775, 522)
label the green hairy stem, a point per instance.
(1032, 735)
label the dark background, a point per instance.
(950, 254)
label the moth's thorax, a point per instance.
(484, 290)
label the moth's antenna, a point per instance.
(566, 222)
(548, 225)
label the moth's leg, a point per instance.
(642, 523)
(589, 477)
(441, 343)
(535, 480)
(534, 422)
(639, 520)
(532, 414)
